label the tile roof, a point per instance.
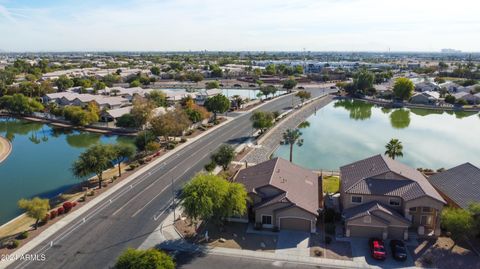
(460, 183)
(118, 112)
(369, 209)
(360, 178)
(299, 184)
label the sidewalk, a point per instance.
(56, 227)
(271, 140)
(167, 237)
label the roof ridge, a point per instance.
(273, 172)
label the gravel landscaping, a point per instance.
(443, 253)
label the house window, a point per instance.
(394, 202)
(413, 209)
(356, 199)
(266, 219)
(426, 209)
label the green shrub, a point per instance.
(170, 146)
(13, 244)
(23, 235)
(210, 166)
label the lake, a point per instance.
(40, 161)
(346, 131)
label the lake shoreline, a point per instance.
(5, 148)
(410, 105)
(65, 124)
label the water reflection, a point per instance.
(12, 127)
(425, 112)
(82, 140)
(48, 152)
(359, 110)
(461, 114)
(400, 118)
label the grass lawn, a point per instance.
(331, 184)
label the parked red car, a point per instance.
(377, 249)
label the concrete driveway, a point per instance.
(293, 243)
(361, 254)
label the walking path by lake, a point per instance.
(5, 148)
(272, 138)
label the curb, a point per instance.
(74, 215)
(70, 218)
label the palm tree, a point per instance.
(291, 137)
(394, 148)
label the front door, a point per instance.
(426, 220)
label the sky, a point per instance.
(231, 25)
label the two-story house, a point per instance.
(381, 197)
(282, 195)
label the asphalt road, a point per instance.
(135, 212)
(211, 261)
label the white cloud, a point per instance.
(245, 25)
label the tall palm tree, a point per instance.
(291, 137)
(394, 148)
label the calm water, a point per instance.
(346, 131)
(40, 161)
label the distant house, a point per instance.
(426, 87)
(450, 86)
(127, 93)
(425, 98)
(384, 198)
(468, 97)
(114, 114)
(203, 95)
(76, 99)
(282, 194)
(459, 185)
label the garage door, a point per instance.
(295, 224)
(396, 232)
(363, 231)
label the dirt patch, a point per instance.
(336, 250)
(443, 253)
(231, 235)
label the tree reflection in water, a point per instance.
(359, 110)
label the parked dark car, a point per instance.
(377, 249)
(399, 251)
